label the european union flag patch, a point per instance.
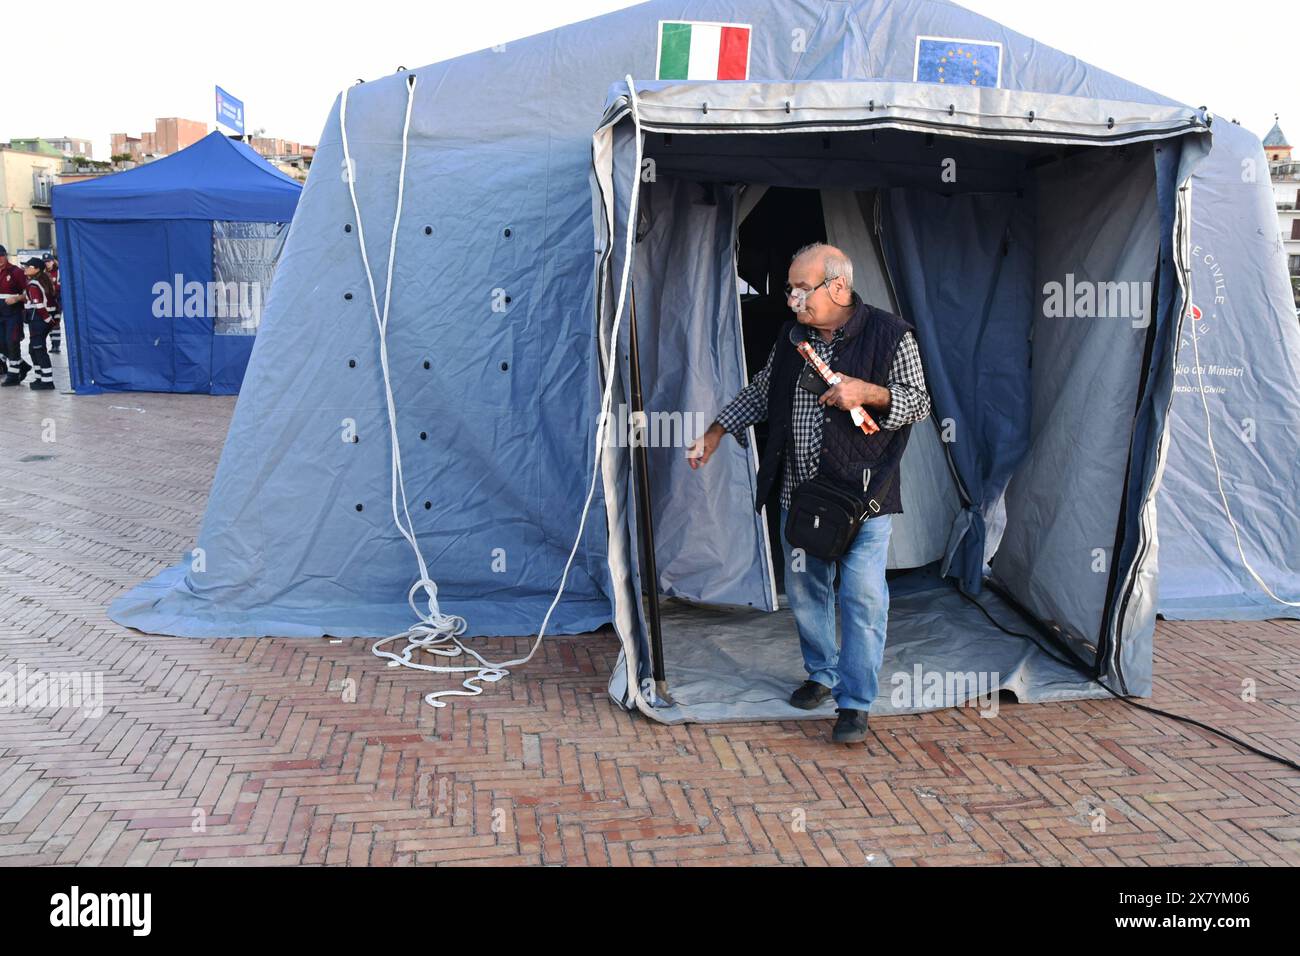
(958, 62)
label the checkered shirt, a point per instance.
(909, 403)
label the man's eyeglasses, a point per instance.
(798, 298)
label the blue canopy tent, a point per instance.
(166, 268)
(1040, 472)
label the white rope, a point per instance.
(438, 633)
(1218, 474)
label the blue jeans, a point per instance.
(850, 666)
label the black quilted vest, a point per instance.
(867, 352)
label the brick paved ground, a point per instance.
(250, 742)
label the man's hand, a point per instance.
(702, 448)
(852, 392)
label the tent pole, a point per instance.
(645, 517)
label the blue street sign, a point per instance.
(230, 111)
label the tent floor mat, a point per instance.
(741, 665)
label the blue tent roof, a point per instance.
(216, 178)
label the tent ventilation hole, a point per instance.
(352, 363)
(505, 366)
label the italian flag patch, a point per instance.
(703, 51)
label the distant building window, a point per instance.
(1294, 265)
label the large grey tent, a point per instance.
(524, 175)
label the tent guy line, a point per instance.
(437, 629)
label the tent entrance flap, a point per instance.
(1026, 467)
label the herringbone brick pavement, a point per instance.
(249, 751)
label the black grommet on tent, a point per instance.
(361, 507)
(509, 300)
(428, 505)
(706, 107)
(505, 366)
(352, 363)
(424, 436)
(347, 296)
(507, 232)
(428, 230)
(1031, 116)
(952, 110)
(426, 364)
(787, 106)
(871, 106)
(1110, 122)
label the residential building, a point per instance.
(26, 180)
(170, 135)
(72, 147)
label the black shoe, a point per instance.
(851, 727)
(23, 369)
(11, 379)
(41, 386)
(810, 695)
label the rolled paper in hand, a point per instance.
(859, 414)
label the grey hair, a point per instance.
(836, 263)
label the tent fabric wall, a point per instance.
(502, 140)
(1098, 222)
(1249, 344)
(945, 253)
(692, 363)
(134, 245)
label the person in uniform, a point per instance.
(13, 284)
(56, 306)
(38, 293)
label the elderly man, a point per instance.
(876, 356)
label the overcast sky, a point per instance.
(107, 67)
